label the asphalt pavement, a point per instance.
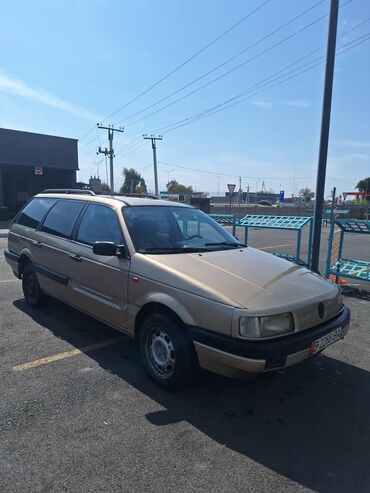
(84, 417)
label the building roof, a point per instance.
(30, 149)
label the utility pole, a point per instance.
(324, 136)
(110, 152)
(240, 190)
(153, 138)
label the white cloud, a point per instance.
(20, 88)
(262, 104)
(297, 103)
(355, 144)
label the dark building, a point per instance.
(31, 162)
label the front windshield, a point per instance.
(167, 229)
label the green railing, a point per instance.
(336, 263)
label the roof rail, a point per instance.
(68, 190)
(138, 195)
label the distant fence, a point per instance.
(354, 212)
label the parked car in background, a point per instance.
(172, 278)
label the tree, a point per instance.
(364, 186)
(105, 187)
(175, 187)
(133, 183)
(307, 194)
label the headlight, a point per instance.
(270, 326)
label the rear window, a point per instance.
(62, 217)
(34, 211)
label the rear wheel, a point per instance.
(31, 287)
(167, 352)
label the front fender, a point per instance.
(161, 298)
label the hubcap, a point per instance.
(160, 353)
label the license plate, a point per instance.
(325, 341)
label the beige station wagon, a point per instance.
(175, 280)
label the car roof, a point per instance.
(122, 200)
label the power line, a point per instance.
(267, 81)
(255, 57)
(197, 53)
(233, 176)
(213, 109)
(249, 47)
(237, 67)
(135, 141)
(201, 50)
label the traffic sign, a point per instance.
(38, 170)
(231, 187)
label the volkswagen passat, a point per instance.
(175, 280)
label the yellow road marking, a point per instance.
(67, 354)
(275, 246)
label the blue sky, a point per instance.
(68, 64)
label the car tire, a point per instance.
(167, 352)
(31, 287)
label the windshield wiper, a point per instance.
(234, 244)
(171, 250)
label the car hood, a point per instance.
(246, 277)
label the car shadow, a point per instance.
(310, 424)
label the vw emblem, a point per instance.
(321, 310)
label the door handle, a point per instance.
(37, 243)
(76, 258)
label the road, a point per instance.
(90, 420)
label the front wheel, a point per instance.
(167, 352)
(31, 287)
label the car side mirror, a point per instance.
(109, 249)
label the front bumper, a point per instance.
(229, 356)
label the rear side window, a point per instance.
(34, 212)
(62, 217)
(99, 223)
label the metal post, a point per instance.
(309, 259)
(153, 138)
(156, 189)
(324, 137)
(329, 249)
(332, 204)
(110, 153)
(110, 138)
(246, 235)
(298, 249)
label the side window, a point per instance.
(62, 217)
(34, 212)
(99, 223)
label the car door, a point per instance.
(99, 283)
(51, 245)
